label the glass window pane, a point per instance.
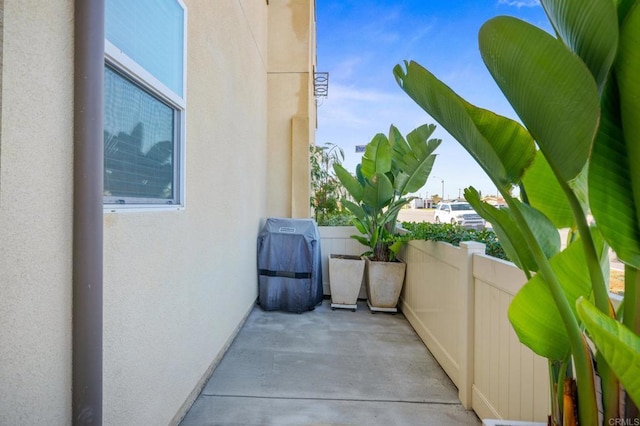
(139, 142)
(151, 32)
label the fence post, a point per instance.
(466, 332)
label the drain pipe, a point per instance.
(87, 212)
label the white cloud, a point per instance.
(520, 3)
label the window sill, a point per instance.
(141, 208)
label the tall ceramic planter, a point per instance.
(384, 282)
(345, 279)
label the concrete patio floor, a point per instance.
(327, 367)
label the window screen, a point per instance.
(139, 144)
(144, 102)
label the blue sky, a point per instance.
(359, 43)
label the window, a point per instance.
(144, 87)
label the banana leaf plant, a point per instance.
(391, 168)
(577, 151)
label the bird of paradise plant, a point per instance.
(576, 152)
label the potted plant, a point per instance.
(578, 97)
(391, 168)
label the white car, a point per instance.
(458, 213)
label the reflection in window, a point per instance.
(139, 144)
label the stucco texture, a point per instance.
(178, 283)
(36, 212)
(291, 106)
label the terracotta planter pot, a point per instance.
(345, 279)
(384, 282)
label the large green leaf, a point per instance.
(590, 29)
(506, 229)
(619, 346)
(614, 184)
(545, 233)
(533, 312)
(377, 156)
(544, 193)
(536, 321)
(354, 208)
(413, 157)
(627, 71)
(502, 147)
(623, 8)
(610, 183)
(416, 138)
(378, 192)
(550, 88)
(510, 234)
(353, 186)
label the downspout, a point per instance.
(87, 212)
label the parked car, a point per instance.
(458, 213)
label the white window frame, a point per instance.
(130, 69)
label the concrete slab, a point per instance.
(273, 411)
(328, 367)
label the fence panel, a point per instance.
(510, 382)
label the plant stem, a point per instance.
(609, 382)
(631, 319)
(598, 284)
(584, 368)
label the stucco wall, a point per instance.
(291, 65)
(36, 212)
(178, 283)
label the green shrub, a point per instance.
(454, 234)
(336, 219)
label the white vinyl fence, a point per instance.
(456, 298)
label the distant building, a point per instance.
(494, 200)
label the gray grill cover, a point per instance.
(289, 265)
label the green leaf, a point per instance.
(614, 174)
(545, 194)
(623, 8)
(551, 90)
(510, 234)
(416, 139)
(362, 240)
(502, 147)
(533, 313)
(413, 157)
(619, 346)
(354, 208)
(590, 29)
(378, 193)
(377, 156)
(537, 322)
(507, 230)
(610, 182)
(351, 184)
(627, 70)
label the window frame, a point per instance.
(129, 69)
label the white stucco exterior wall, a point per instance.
(291, 66)
(178, 283)
(36, 148)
